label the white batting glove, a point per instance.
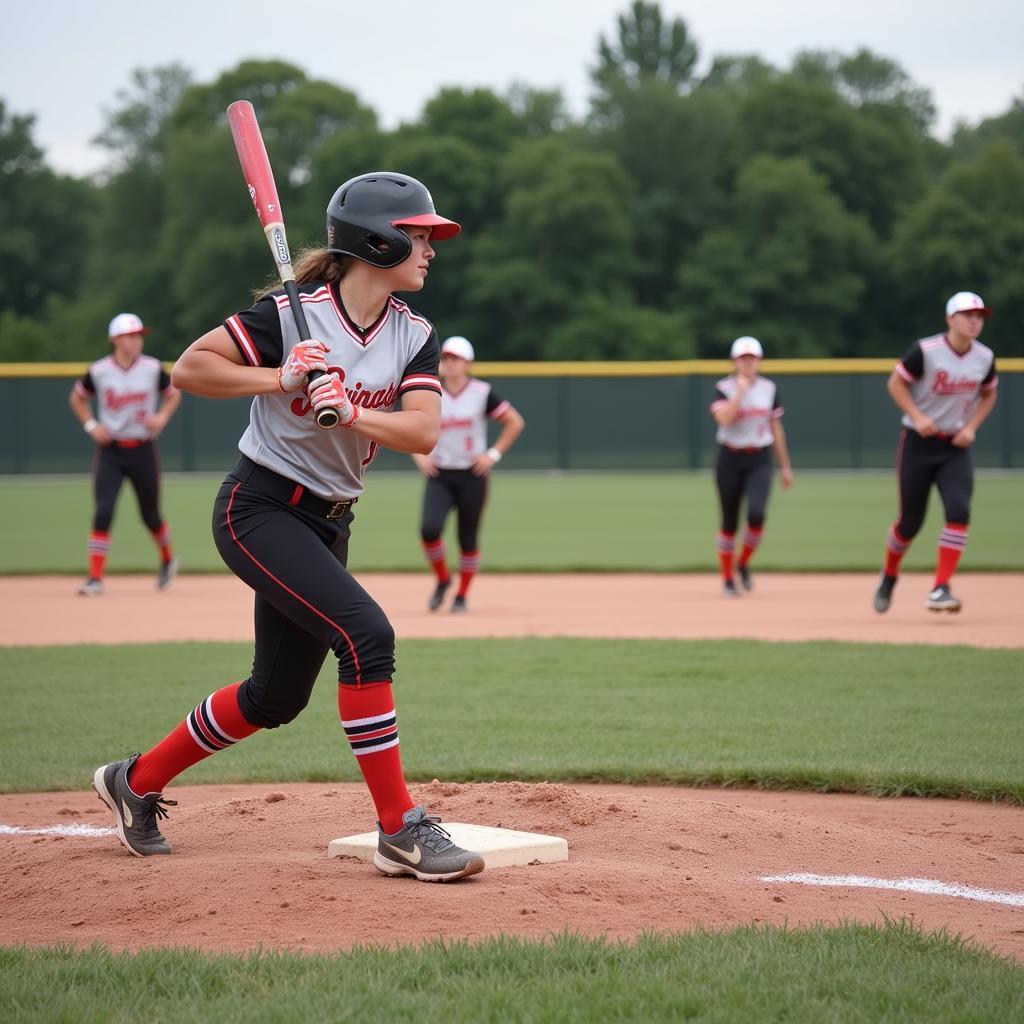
(329, 391)
(304, 357)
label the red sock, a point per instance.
(216, 723)
(99, 548)
(894, 551)
(469, 563)
(368, 718)
(952, 542)
(163, 542)
(435, 552)
(726, 544)
(751, 539)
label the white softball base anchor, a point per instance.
(500, 847)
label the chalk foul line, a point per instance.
(56, 830)
(927, 886)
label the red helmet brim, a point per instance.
(440, 227)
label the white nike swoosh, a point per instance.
(127, 814)
(412, 858)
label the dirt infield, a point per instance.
(250, 867)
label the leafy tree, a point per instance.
(788, 267)
(1008, 127)
(539, 111)
(46, 219)
(477, 116)
(737, 72)
(967, 232)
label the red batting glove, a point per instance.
(304, 357)
(329, 391)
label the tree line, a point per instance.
(809, 205)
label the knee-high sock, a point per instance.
(216, 723)
(895, 549)
(469, 563)
(952, 541)
(368, 718)
(751, 538)
(435, 552)
(99, 548)
(162, 539)
(726, 544)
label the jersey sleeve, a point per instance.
(496, 406)
(257, 333)
(720, 398)
(778, 409)
(164, 383)
(911, 366)
(85, 386)
(420, 373)
(991, 379)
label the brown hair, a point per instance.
(313, 265)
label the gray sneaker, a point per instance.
(91, 587)
(422, 848)
(942, 599)
(135, 816)
(167, 573)
(883, 595)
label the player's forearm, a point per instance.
(900, 394)
(781, 448)
(412, 431)
(210, 375)
(80, 407)
(170, 403)
(512, 427)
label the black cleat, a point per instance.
(744, 572)
(941, 599)
(459, 604)
(730, 589)
(438, 595)
(883, 595)
(134, 816)
(167, 573)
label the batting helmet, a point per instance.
(366, 215)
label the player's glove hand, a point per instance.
(329, 391)
(304, 357)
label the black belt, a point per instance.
(289, 491)
(750, 450)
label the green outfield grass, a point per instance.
(934, 721)
(542, 522)
(748, 975)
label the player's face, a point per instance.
(453, 366)
(747, 366)
(411, 273)
(127, 346)
(967, 325)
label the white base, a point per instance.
(500, 847)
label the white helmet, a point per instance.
(458, 346)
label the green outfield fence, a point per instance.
(628, 415)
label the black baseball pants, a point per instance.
(923, 461)
(462, 490)
(739, 473)
(136, 463)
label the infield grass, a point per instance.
(747, 975)
(538, 522)
(878, 719)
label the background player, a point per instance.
(748, 413)
(282, 518)
(457, 470)
(135, 400)
(945, 386)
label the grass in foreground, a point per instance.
(886, 720)
(543, 522)
(751, 974)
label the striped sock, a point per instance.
(368, 718)
(162, 537)
(216, 723)
(726, 544)
(469, 564)
(751, 539)
(894, 552)
(952, 541)
(99, 548)
(435, 552)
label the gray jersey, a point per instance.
(396, 354)
(944, 384)
(464, 416)
(758, 407)
(125, 398)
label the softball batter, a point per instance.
(945, 386)
(748, 412)
(458, 468)
(281, 521)
(135, 401)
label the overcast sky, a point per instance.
(65, 60)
